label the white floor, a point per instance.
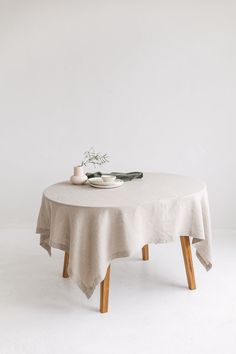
(151, 310)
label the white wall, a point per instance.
(150, 82)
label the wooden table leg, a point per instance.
(104, 292)
(145, 252)
(188, 262)
(65, 267)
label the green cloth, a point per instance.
(128, 176)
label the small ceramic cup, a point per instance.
(108, 178)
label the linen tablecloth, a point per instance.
(97, 225)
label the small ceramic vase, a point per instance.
(79, 176)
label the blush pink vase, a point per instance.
(79, 176)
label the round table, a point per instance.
(94, 226)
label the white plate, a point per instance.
(100, 182)
(117, 183)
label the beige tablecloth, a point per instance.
(98, 225)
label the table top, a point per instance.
(151, 188)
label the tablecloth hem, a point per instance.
(46, 243)
(207, 265)
(88, 291)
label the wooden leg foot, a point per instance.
(104, 292)
(145, 252)
(188, 262)
(65, 267)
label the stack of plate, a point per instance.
(97, 182)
